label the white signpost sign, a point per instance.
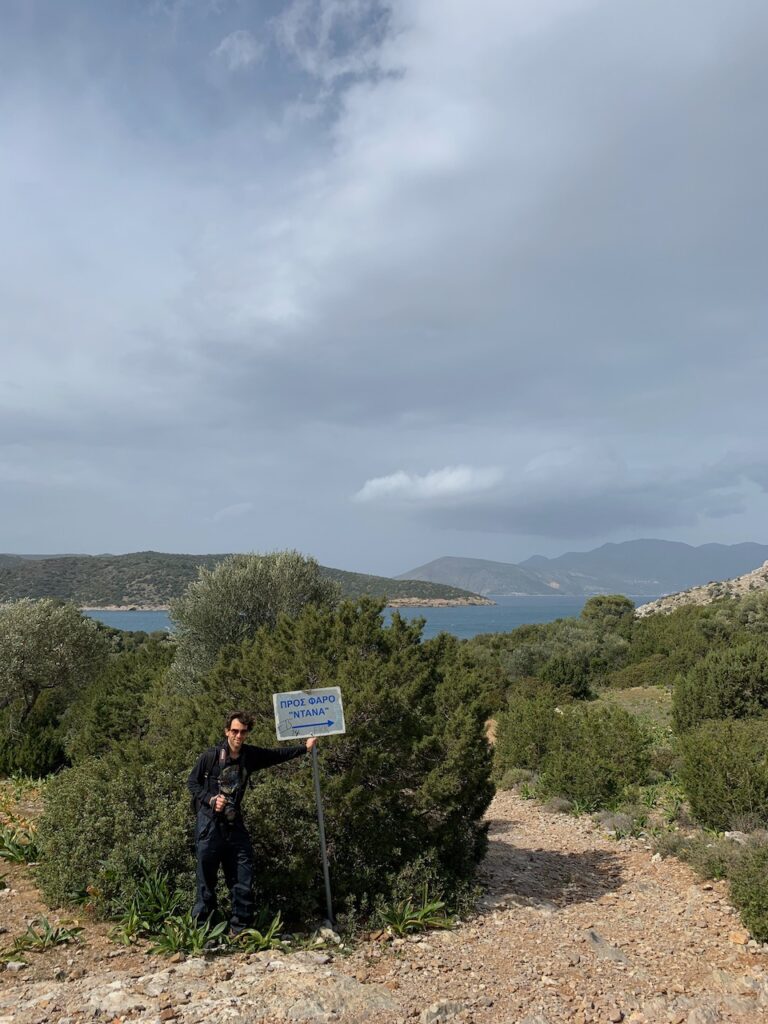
(302, 713)
(298, 715)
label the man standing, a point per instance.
(217, 784)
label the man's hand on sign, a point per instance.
(218, 803)
(311, 742)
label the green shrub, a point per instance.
(728, 683)
(569, 673)
(513, 777)
(406, 786)
(665, 760)
(110, 709)
(711, 857)
(610, 612)
(37, 748)
(594, 754)
(108, 819)
(724, 771)
(523, 734)
(684, 636)
(749, 889)
(653, 671)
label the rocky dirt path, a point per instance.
(574, 927)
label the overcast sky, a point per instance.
(382, 280)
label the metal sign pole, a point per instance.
(321, 823)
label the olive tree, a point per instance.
(47, 651)
(228, 604)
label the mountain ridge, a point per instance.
(640, 568)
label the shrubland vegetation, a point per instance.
(658, 724)
(404, 790)
(571, 727)
(147, 578)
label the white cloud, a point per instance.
(238, 50)
(450, 482)
(332, 38)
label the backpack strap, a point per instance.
(211, 757)
(210, 760)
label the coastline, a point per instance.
(395, 602)
(125, 608)
(438, 602)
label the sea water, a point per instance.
(463, 621)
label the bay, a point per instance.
(464, 621)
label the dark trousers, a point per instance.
(228, 847)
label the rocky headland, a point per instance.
(738, 587)
(438, 602)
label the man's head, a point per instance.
(237, 726)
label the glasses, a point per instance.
(239, 732)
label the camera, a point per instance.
(229, 783)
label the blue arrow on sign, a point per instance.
(311, 725)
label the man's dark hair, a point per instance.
(243, 716)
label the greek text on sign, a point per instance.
(303, 713)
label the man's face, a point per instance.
(236, 734)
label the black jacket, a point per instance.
(203, 781)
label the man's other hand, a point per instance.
(311, 742)
(219, 803)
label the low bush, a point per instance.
(512, 777)
(107, 819)
(727, 683)
(594, 753)
(558, 805)
(523, 735)
(711, 857)
(628, 821)
(652, 671)
(569, 673)
(749, 889)
(724, 772)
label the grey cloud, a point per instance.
(511, 227)
(589, 509)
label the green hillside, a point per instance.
(147, 578)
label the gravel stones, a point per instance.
(576, 928)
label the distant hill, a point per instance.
(638, 568)
(481, 576)
(150, 578)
